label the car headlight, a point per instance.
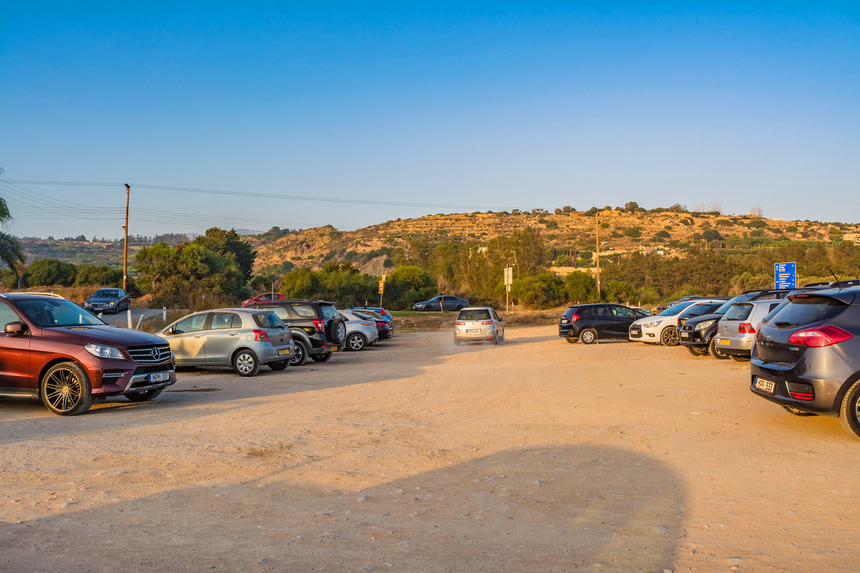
(651, 324)
(705, 324)
(111, 303)
(104, 351)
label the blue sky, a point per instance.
(385, 110)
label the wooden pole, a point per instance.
(125, 247)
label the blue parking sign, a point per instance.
(785, 275)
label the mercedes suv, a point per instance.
(58, 352)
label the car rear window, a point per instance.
(329, 311)
(803, 310)
(569, 312)
(476, 314)
(268, 320)
(739, 311)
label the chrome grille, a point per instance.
(150, 354)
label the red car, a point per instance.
(265, 297)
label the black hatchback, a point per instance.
(592, 322)
(806, 356)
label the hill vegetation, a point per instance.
(645, 257)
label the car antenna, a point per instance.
(835, 277)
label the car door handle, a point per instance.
(234, 334)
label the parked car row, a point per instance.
(803, 344)
(62, 354)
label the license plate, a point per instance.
(284, 352)
(473, 331)
(765, 386)
(159, 377)
(333, 348)
(723, 341)
(685, 335)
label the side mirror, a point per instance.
(16, 327)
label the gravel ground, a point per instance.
(416, 455)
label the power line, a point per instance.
(258, 195)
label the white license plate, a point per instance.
(765, 386)
(284, 352)
(159, 377)
(685, 335)
(473, 331)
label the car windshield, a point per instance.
(806, 309)
(475, 314)
(56, 312)
(106, 293)
(699, 309)
(676, 309)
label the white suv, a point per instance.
(663, 328)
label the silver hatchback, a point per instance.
(479, 323)
(737, 328)
(239, 338)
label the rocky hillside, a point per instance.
(571, 232)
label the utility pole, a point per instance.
(597, 242)
(125, 248)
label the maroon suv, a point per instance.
(54, 350)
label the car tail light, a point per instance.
(800, 391)
(260, 336)
(460, 323)
(821, 336)
(746, 328)
(380, 324)
(319, 324)
(574, 317)
(487, 322)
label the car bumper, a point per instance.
(117, 377)
(816, 384)
(735, 345)
(267, 353)
(475, 333)
(639, 334)
(692, 338)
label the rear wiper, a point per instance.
(784, 324)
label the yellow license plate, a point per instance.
(723, 341)
(284, 352)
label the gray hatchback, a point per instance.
(479, 323)
(239, 338)
(736, 330)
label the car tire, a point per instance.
(321, 357)
(496, 339)
(737, 358)
(300, 356)
(714, 351)
(245, 363)
(669, 336)
(796, 411)
(588, 336)
(355, 342)
(144, 395)
(336, 331)
(849, 412)
(279, 365)
(65, 389)
(697, 350)
(570, 339)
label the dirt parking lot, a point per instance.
(417, 455)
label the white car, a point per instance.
(361, 330)
(663, 328)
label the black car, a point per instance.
(111, 300)
(590, 322)
(806, 356)
(384, 324)
(317, 328)
(442, 302)
(697, 333)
